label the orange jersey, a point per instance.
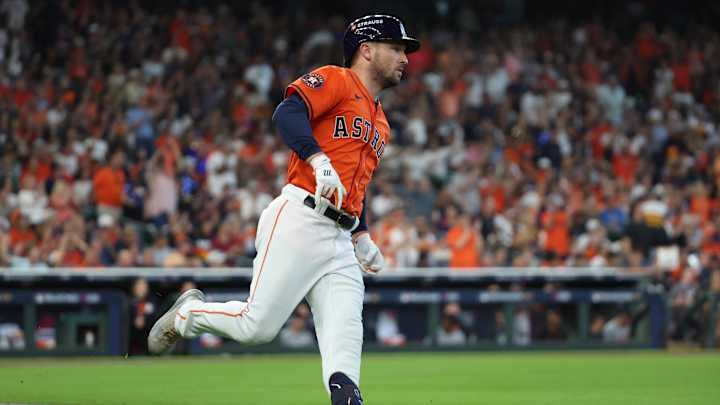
(349, 126)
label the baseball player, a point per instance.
(312, 240)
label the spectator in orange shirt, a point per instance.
(624, 165)
(109, 185)
(38, 168)
(711, 238)
(20, 232)
(463, 240)
(555, 224)
(4, 245)
(700, 202)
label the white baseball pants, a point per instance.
(299, 254)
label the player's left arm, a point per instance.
(366, 251)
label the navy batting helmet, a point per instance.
(378, 28)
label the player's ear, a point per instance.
(366, 50)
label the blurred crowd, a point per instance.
(137, 137)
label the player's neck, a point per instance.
(372, 86)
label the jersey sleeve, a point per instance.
(321, 90)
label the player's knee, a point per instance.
(263, 336)
(259, 333)
(251, 332)
(343, 391)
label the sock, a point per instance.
(343, 391)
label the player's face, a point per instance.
(389, 62)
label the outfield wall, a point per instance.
(92, 311)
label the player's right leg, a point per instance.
(293, 243)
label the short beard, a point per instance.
(390, 81)
(386, 81)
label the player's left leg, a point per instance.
(336, 301)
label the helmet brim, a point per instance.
(411, 44)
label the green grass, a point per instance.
(552, 378)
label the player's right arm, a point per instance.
(291, 118)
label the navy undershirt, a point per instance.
(362, 226)
(291, 118)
